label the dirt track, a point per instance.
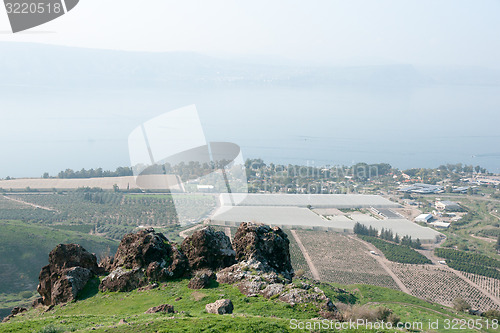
(31, 204)
(382, 261)
(313, 269)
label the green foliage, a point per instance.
(97, 173)
(467, 257)
(397, 253)
(51, 329)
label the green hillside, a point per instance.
(103, 312)
(24, 250)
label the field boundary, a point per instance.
(312, 268)
(382, 263)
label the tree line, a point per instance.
(92, 173)
(386, 234)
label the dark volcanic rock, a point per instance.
(208, 248)
(70, 268)
(222, 306)
(201, 279)
(123, 280)
(143, 257)
(72, 255)
(260, 242)
(15, 311)
(138, 250)
(166, 308)
(69, 285)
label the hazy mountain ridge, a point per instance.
(37, 64)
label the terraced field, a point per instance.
(439, 285)
(489, 284)
(340, 259)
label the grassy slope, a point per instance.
(104, 311)
(24, 250)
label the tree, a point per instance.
(116, 188)
(461, 305)
(46, 175)
(497, 246)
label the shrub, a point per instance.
(461, 305)
(299, 273)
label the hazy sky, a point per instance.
(46, 128)
(453, 32)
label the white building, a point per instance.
(423, 218)
(447, 205)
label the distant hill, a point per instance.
(24, 249)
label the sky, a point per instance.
(52, 128)
(421, 32)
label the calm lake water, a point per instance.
(48, 129)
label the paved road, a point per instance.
(312, 268)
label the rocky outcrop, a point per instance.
(15, 311)
(222, 306)
(165, 308)
(265, 268)
(208, 248)
(202, 279)
(261, 243)
(141, 258)
(70, 268)
(123, 280)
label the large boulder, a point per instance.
(222, 306)
(137, 250)
(261, 243)
(208, 248)
(70, 268)
(123, 280)
(141, 258)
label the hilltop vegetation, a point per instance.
(104, 311)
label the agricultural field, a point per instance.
(470, 262)
(489, 284)
(340, 259)
(298, 260)
(111, 214)
(395, 252)
(440, 285)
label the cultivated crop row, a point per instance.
(439, 285)
(489, 284)
(112, 214)
(340, 259)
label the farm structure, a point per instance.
(290, 211)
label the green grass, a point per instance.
(103, 311)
